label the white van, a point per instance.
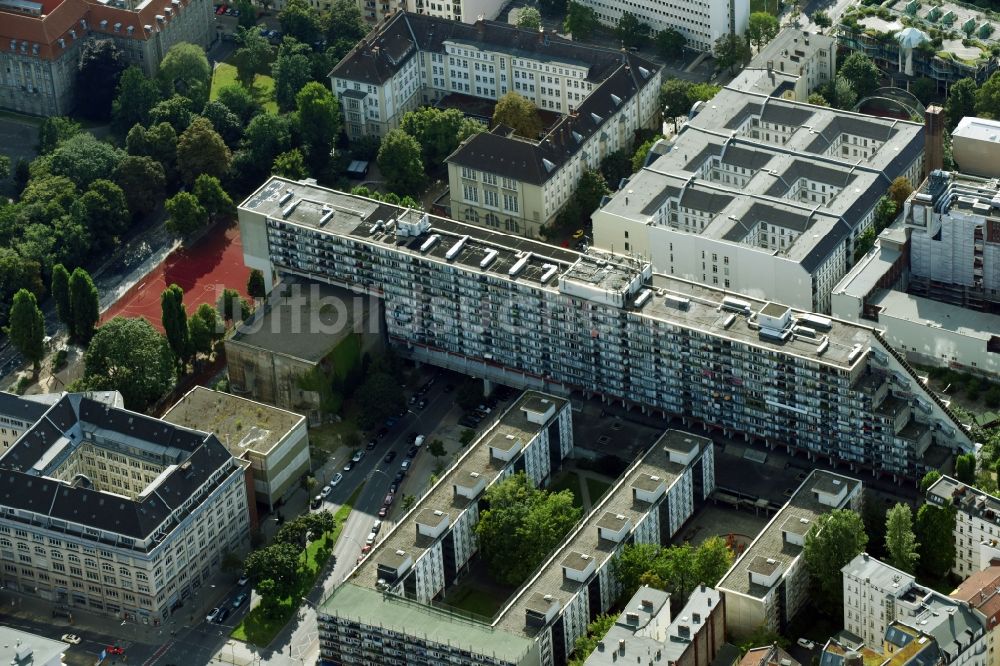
(419, 441)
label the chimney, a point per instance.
(933, 139)
(541, 35)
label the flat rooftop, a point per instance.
(305, 320)
(542, 266)
(770, 544)
(15, 645)
(584, 539)
(878, 574)
(242, 425)
(865, 275)
(937, 315)
(474, 467)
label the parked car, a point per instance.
(382, 432)
(240, 599)
(376, 526)
(236, 12)
(405, 467)
(411, 453)
(391, 421)
(383, 512)
(72, 639)
(372, 443)
(388, 499)
(358, 455)
(400, 475)
(212, 614)
(244, 579)
(389, 457)
(806, 643)
(349, 465)
(317, 502)
(418, 441)
(414, 398)
(393, 487)
(337, 478)
(367, 549)
(326, 491)
(422, 404)
(371, 538)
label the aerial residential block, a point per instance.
(384, 611)
(761, 196)
(117, 513)
(790, 66)
(532, 315)
(977, 524)
(42, 43)
(769, 584)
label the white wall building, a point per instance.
(769, 583)
(762, 196)
(790, 66)
(976, 146)
(872, 590)
(977, 524)
(701, 22)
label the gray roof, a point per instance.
(14, 644)
(16, 407)
(26, 468)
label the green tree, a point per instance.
(988, 98)
(928, 481)
(299, 21)
(731, 51)
(318, 117)
(379, 397)
(175, 321)
(590, 190)
(230, 305)
(231, 562)
(844, 95)
(248, 14)
(900, 190)
(518, 113)
(935, 528)
(278, 563)
(159, 142)
(670, 43)
(924, 89)
(255, 284)
(186, 214)
(4, 167)
(200, 150)
(467, 437)
(529, 17)
(224, 121)
(400, 163)
(822, 19)
(84, 304)
(521, 525)
(291, 71)
(204, 329)
(60, 294)
(581, 21)
(762, 28)
(675, 97)
(900, 541)
(26, 328)
(436, 448)
(254, 55)
(142, 179)
(344, 22)
(290, 165)
(266, 137)
(136, 96)
(631, 31)
(965, 468)
(818, 99)
(83, 159)
(864, 242)
(106, 212)
(101, 65)
(208, 190)
(961, 101)
(238, 99)
(833, 540)
(632, 564)
(642, 152)
(439, 132)
(862, 73)
(586, 644)
(131, 357)
(185, 70)
(885, 213)
(53, 131)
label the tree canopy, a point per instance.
(961, 101)
(674, 569)
(290, 164)
(379, 397)
(581, 21)
(900, 541)
(175, 321)
(200, 150)
(935, 531)
(53, 131)
(529, 17)
(131, 357)
(520, 525)
(83, 159)
(399, 160)
(318, 117)
(291, 71)
(299, 21)
(631, 31)
(186, 213)
(731, 51)
(254, 55)
(135, 96)
(518, 113)
(862, 73)
(26, 327)
(762, 28)
(84, 305)
(439, 132)
(832, 541)
(900, 189)
(142, 179)
(185, 70)
(670, 43)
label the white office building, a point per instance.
(702, 22)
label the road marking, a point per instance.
(159, 653)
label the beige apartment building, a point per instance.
(117, 513)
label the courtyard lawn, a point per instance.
(263, 86)
(477, 594)
(596, 488)
(567, 481)
(260, 628)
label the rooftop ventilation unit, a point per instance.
(735, 305)
(641, 299)
(550, 270)
(488, 259)
(678, 302)
(519, 265)
(327, 213)
(289, 209)
(456, 248)
(855, 353)
(429, 243)
(285, 197)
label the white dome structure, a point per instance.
(909, 39)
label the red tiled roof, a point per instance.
(66, 15)
(982, 591)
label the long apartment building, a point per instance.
(382, 614)
(898, 618)
(702, 22)
(932, 281)
(769, 584)
(41, 43)
(114, 512)
(977, 523)
(761, 196)
(594, 98)
(532, 315)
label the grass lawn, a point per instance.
(477, 594)
(769, 6)
(567, 481)
(259, 627)
(263, 86)
(329, 436)
(596, 488)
